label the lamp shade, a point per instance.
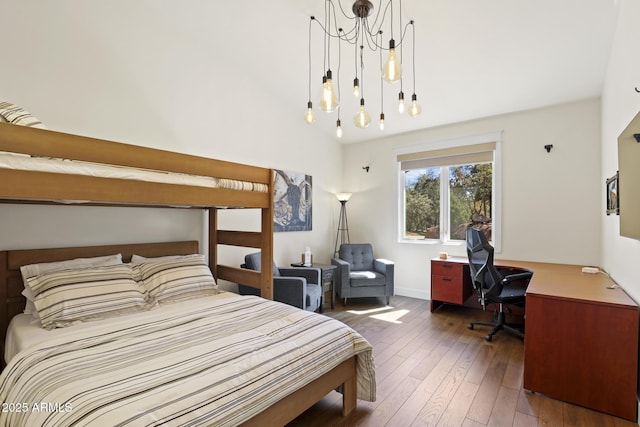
(343, 197)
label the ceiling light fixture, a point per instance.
(362, 33)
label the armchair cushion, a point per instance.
(366, 278)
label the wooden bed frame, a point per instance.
(46, 188)
(280, 413)
(18, 186)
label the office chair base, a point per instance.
(498, 326)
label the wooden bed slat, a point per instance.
(240, 275)
(247, 239)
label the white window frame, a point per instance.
(491, 137)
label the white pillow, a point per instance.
(67, 296)
(18, 116)
(32, 270)
(176, 279)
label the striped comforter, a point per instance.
(225, 360)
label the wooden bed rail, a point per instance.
(260, 240)
(47, 143)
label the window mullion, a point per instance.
(444, 204)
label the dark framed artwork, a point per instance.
(613, 196)
(292, 206)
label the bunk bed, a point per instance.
(181, 181)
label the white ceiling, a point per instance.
(474, 58)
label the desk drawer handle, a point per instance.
(447, 279)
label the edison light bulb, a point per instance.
(415, 108)
(362, 119)
(356, 88)
(401, 102)
(381, 121)
(329, 100)
(338, 129)
(309, 116)
(392, 70)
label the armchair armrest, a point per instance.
(312, 275)
(386, 267)
(339, 262)
(290, 290)
(341, 276)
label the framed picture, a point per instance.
(613, 196)
(292, 201)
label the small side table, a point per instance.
(326, 278)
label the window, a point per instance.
(443, 191)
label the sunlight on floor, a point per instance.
(382, 313)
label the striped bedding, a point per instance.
(220, 362)
(45, 164)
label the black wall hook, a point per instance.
(366, 168)
(637, 90)
(548, 147)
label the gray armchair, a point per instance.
(296, 286)
(359, 274)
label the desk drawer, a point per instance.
(447, 289)
(447, 268)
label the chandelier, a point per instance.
(363, 33)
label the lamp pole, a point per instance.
(342, 235)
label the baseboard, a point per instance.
(412, 293)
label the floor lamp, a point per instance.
(342, 236)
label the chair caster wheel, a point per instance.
(470, 326)
(489, 338)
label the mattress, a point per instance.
(75, 167)
(218, 360)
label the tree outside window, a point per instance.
(464, 193)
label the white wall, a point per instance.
(127, 71)
(551, 202)
(620, 103)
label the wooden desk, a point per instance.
(581, 338)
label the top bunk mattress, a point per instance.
(76, 167)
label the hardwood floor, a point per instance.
(433, 371)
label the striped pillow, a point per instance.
(13, 114)
(176, 279)
(65, 297)
(31, 270)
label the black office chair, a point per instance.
(499, 286)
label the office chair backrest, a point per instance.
(484, 275)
